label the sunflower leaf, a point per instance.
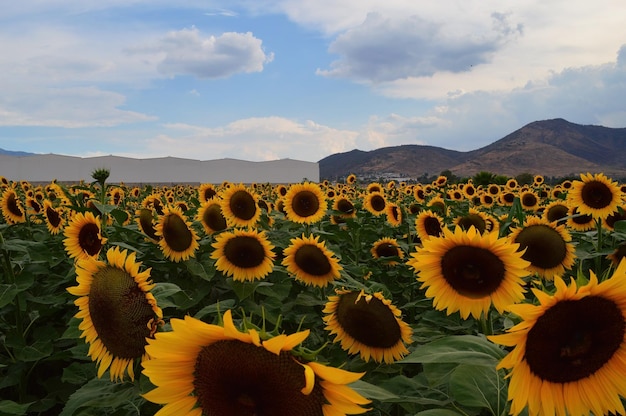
(479, 386)
(9, 407)
(460, 349)
(7, 293)
(371, 391)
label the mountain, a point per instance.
(549, 147)
(14, 153)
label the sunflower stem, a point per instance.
(599, 242)
(486, 325)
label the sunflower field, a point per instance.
(329, 299)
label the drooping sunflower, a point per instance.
(394, 214)
(467, 271)
(569, 351)
(310, 262)
(11, 207)
(387, 247)
(305, 203)
(595, 195)
(211, 370)
(117, 311)
(618, 254)
(243, 254)
(428, 224)
(547, 246)
(375, 203)
(54, 217)
(210, 216)
(83, 236)
(239, 206)
(369, 325)
(178, 240)
(145, 221)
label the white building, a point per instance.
(166, 170)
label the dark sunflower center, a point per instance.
(619, 215)
(386, 250)
(475, 220)
(312, 260)
(35, 205)
(377, 203)
(556, 213)
(574, 339)
(508, 197)
(596, 194)
(213, 218)
(89, 239)
(234, 378)
(545, 247)
(472, 271)
(209, 193)
(243, 205)
(13, 206)
(305, 204)
(244, 251)
(432, 226)
(581, 219)
(529, 200)
(395, 213)
(145, 221)
(371, 323)
(176, 233)
(420, 194)
(53, 217)
(120, 312)
(345, 206)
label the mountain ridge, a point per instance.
(554, 147)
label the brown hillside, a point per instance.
(550, 147)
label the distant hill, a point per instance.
(550, 147)
(14, 153)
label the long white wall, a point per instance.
(44, 168)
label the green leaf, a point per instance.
(371, 391)
(479, 386)
(438, 412)
(100, 393)
(35, 352)
(7, 293)
(460, 349)
(162, 293)
(9, 407)
(197, 269)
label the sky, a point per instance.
(301, 79)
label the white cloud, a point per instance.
(386, 49)
(67, 107)
(188, 52)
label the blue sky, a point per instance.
(300, 79)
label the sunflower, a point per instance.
(556, 211)
(211, 218)
(387, 247)
(374, 187)
(206, 192)
(375, 203)
(54, 218)
(83, 236)
(428, 224)
(618, 254)
(507, 198)
(311, 262)
(578, 221)
(611, 219)
(11, 207)
(441, 181)
(547, 246)
(438, 205)
(343, 205)
(116, 309)
(145, 221)
(467, 271)
(529, 200)
(351, 179)
(474, 218)
(368, 325)
(239, 206)
(211, 370)
(243, 254)
(178, 241)
(394, 214)
(305, 203)
(569, 351)
(595, 195)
